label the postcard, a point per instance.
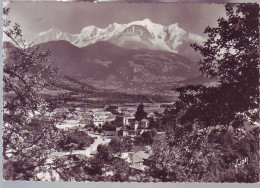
(130, 92)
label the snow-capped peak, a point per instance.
(49, 31)
(88, 29)
(145, 22)
(162, 37)
(173, 26)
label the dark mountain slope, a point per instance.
(103, 59)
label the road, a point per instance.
(48, 176)
(92, 148)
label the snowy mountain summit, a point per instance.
(137, 34)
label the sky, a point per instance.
(71, 17)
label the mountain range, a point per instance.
(108, 66)
(136, 58)
(134, 35)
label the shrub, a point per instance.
(75, 140)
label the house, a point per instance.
(98, 122)
(144, 123)
(124, 131)
(68, 124)
(111, 108)
(109, 173)
(110, 133)
(134, 124)
(133, 178)
(118, 128)
(143, 154)
(135, 158)
(148, 148)
(122, 109)
(124, 156)
(128, 132)
(110, 118)
(119, 119)
(138, 148)
(138, 167)
(78, 157)
(127, 118)
(124, 119)
(132, 133)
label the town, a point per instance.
(117, 121)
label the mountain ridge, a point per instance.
(108, 66)
(171, 38)
(104, 66)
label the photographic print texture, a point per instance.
(131, 92)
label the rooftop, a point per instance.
(137, 159)
(143, 154)
(138, 166)
(139, 148)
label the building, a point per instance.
(127, 118)
(101, 117)
(98, 122)
(134, 124)
(139, 148)
(137, 167)
(132, 133)
(144, 123)
(135, 158)
(119, 119)
(110, 133)
(69, 124)
(111, 108)
(144, 155)
(125, 131)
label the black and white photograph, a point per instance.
(130, 92)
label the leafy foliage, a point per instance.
(29, 135)
(231, 55)
(124, 144)
(206, 155)
(75, 140)
(205, 137)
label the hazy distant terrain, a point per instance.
(106, 65)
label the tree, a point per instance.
(201, 142)
(29, 135)
(148, 137)
(153, 123)
(231, 55)
(104, 152)
(124, 144)
(140, 113)
(231, 51)
(75, 140)
(205, 155)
